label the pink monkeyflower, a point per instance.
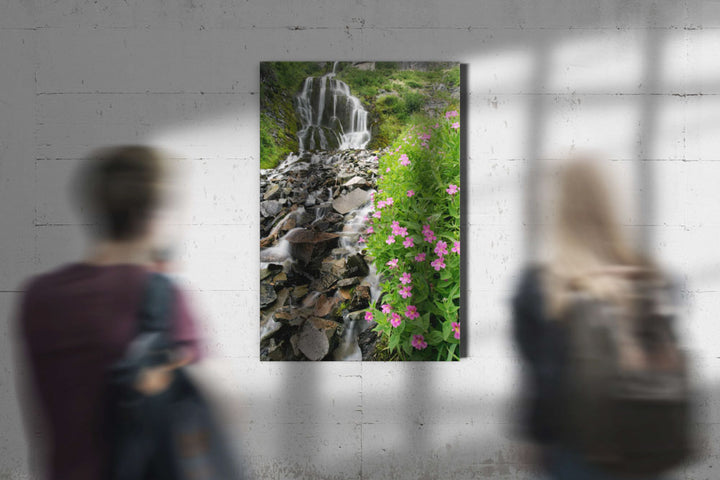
(437, 125)
(369, 316)
(387, 170)
(452, 189)
(410, 193)
(456, 247)
(456, 329)
(405, 278)
(381, 204)
(386, 308)
(419, 342)
(390, 240)
(430, 236)
(377, 214)
(395, 320)
(409, 242)
(451, 113)
(441, 248)
(389, 201)
(455, 125)
(404, 160)
(402, 231)
(420, 257)
(370, 230)
(362, 240)
(438, 264)
(395, 226)
(392, 263)
(411, 312)
(425, 136)
(406, 291)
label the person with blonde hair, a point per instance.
(591, 259)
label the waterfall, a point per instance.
(331, 117)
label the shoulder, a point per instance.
(529, 283)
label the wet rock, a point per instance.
(348, 282)
(267, 294)
(291, 316)
(351, 201)
(300, 291)
(269, 328)
(357, 266)
(367, 340)
(270, 208)
(272, 192)
(324, 305)
(356, 180)
(313, 342)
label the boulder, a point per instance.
(350, 201)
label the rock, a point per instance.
(356, 180)
(291, 316)
(356, 266)
(345, 293)
(367, 340)
(272, 192)
(303, 242)
(280, 278)
(351, 201)
(313, 342)
(269, 328)
(267, 294)
(300, 291)
(349, 282)
(324, 305)
(270, 208)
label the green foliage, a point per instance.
(418, 199)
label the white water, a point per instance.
(331, 117)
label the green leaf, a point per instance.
(434, 337)
(393, 343)
(446, 330)
(451, 351)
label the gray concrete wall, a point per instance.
(635, 80)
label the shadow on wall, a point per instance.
(435, 436)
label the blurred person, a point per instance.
(75, 321)
(589, 291)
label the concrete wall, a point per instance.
(632, 79)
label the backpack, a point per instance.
(626, 394)
(172, 435)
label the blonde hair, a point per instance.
(590, 253)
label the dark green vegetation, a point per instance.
(396, 94)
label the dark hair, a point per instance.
(121, 187)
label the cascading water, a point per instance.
(331, 117)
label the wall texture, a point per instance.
(638, 81)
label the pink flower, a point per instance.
(387, 170)
(405, 278)
(386, 308)
(420, 257)
(362, 240)
(377, 214)
(430, 236)
(425, 136)
(441, 248)
(451, 113)
(381, 204)
(395, 225)
(452, 189)
(456, 247)
(389, 201)
(438, 264)
(409, 242)
(402, 231)
(419, 342)
(456, 329)
(437, 125)
(369, 316)
(410, 193)
(395, 320)
(411, 312)
(455, 125)
(370, 230)
(404, 160)
(392, 263)
(390, 240)
(406, 291)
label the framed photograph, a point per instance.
(360, 211)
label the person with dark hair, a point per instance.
(77, 320)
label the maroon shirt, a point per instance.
(74, 323)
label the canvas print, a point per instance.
(360, 211)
